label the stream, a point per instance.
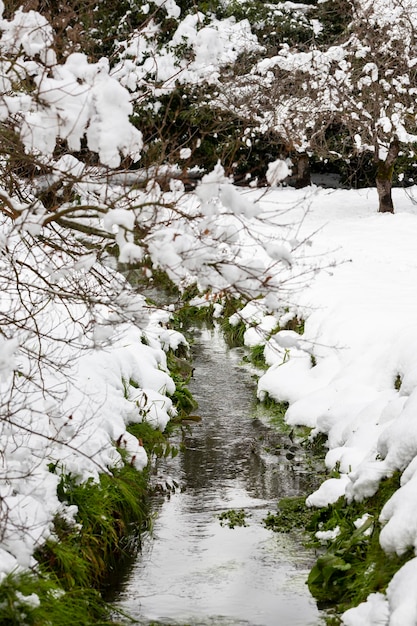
(194, 571)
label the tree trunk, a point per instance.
(384, 174)
(301, 176)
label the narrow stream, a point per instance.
(192, 570)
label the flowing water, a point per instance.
(192, 570)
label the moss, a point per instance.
(293, 514)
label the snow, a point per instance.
(328, 535)
(73, 100)
(210, 46)
(324, 257)
(373, 612)
(101, 374)
(32, 32)
(360, 389)
(170, 6)
(277, 171)
(328, 492)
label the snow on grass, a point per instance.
(352, 374)
(72, 378)
(127, 382)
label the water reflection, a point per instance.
(193, 570)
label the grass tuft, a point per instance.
(107, 512)
(256, 356)
(39, 600)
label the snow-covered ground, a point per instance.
(350, 274)
(72, 377)
(352, 374)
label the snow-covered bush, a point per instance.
(82, 354)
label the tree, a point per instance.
(75, 204)
(373, 84)
(364, 85)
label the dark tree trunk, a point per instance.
(301, 175)
(384, 174)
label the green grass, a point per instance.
(108, 512)
(181, 371)
(354, 564)
(275, 413)
(233, 334)
(74, 564)
(293, 514)
(256, 356)
(51, 605)
(154, 441)
(188, 315)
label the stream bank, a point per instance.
(194, 569)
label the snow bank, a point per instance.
(75, 373)
(352, 374)
(110, 388)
